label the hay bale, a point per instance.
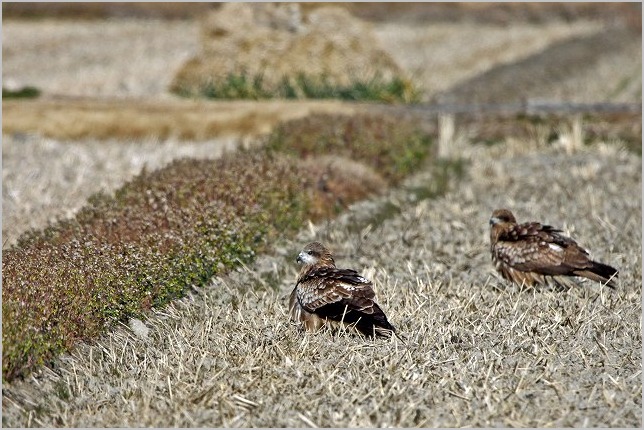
(278, 41)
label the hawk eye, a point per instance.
(309, 252)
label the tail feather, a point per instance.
(375, 324)
(601, 273)
(366, 323)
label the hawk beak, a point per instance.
(494, 220)
(299, 259)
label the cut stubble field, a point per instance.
(473, 351)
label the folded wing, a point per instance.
(542, 250)
(343, 295)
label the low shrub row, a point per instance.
(302, 86)
(20, 93)
(174, 228)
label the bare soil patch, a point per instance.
(605, 66)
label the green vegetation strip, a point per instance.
(22, 93)
(172, 229)
(244, 86)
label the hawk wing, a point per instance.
(328, 285)
(342, 295)
(534, 247)
(530, 230)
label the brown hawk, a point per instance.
(325, 294)
(531, 253)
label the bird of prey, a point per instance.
(531, 253)
(325, 294)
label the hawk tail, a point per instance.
(600, 272)
(375, 325)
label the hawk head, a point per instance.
(502, 216)
(315, 254)
(501, 222)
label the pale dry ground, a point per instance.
(124, 58)
(444, 53)
(616, 77)
(476, 352)
(136, 58)
(440, 55)
(140, 118)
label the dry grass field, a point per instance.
(473, 351)
(183, 119)
(95, 145)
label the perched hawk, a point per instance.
(528, 253)
(325, 294)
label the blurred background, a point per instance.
(196, 79)
(449, 52)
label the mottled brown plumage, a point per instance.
(532, 253)
(325, 294)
